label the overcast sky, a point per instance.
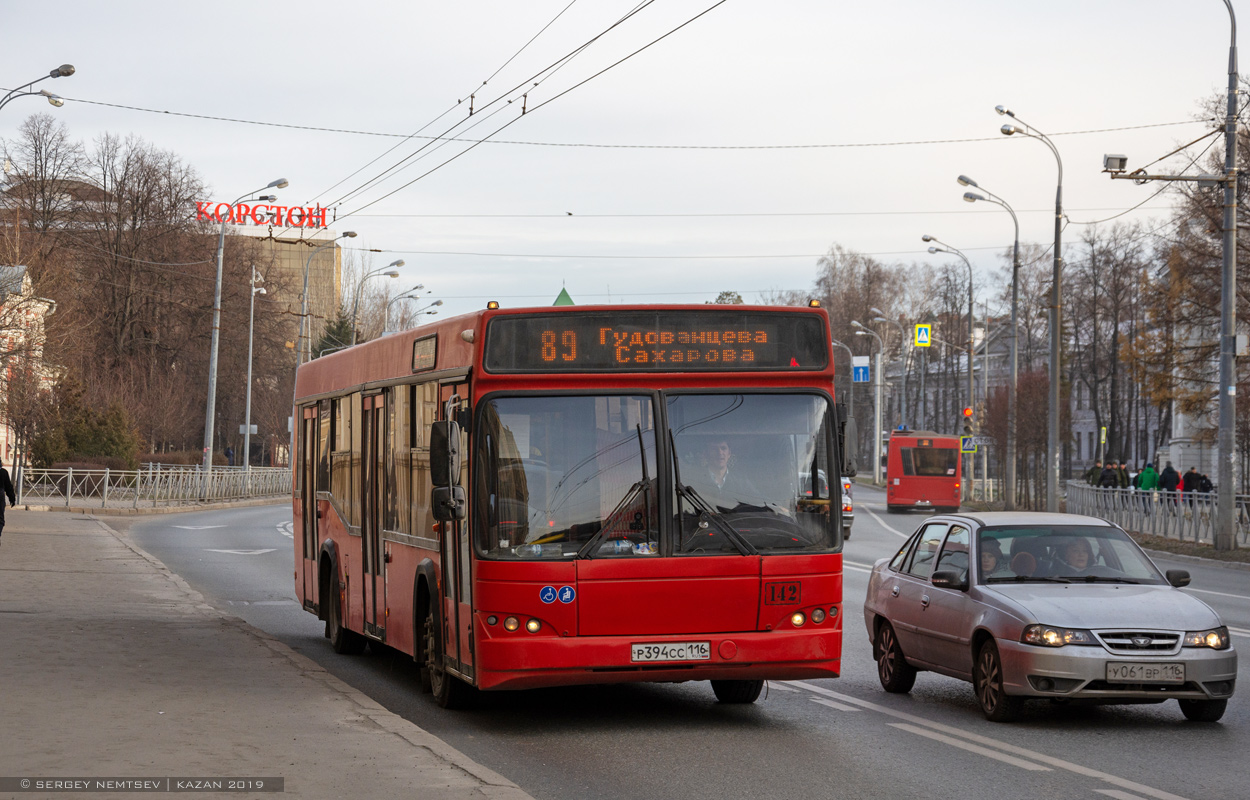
(647, 224)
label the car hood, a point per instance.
(1106, 605)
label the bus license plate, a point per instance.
(1120, 672)
(671, 651)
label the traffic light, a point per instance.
(967, 420)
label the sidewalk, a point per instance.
(112, 667)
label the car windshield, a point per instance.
(1062, 553)
(743, 467)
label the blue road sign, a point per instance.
(966, 444)
(860, 375)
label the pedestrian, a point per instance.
(229, 455)
(6, 486)
(1093, 473)
(1190, 483)
(1110, 477)
(1169, 479)
(1122, 476)
(1205, 484)
(1147, 479)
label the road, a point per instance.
(843, 738)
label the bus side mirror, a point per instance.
(444, 453)
(850, 435)
(447, 503)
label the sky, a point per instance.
(727, 156)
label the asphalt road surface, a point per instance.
(843, 738)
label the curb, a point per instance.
(494, 785)
(1206, 562)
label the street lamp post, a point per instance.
(305, 330)
(903, 360)
(408, 295)
(63, 71)
(850, 394)
(247, 414)
(390, 271)
(280, 183)
(972, 397)
(1009, 476)
(1052, 425)
(876, 415)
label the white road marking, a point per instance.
(1239, 632)
(1118, 795)
(855, 567)
(881, 522)
(832, 704)
(971, 748)
(1221, 594)
(242, 552)
(1020, 751)
(781, 687)
(198, 527)
(287, 529)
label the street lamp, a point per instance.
(63, 71)
(1009, 476)
(408, 295)
(972, 397)
(390, 271)
(305, 331)
(280, 183)
(1052, 426)
(902, 357)
(876, 416)
(850, 394)
(247, 414)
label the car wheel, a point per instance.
(737, 691)
(846, 533)
(896, 675)
(990, 686)
(1203, 710)
(342, 640)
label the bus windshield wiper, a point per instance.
(706, 511)
(643, 486)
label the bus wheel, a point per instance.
(737, 691)
(893, 509)
(344, 641)
(448, 690)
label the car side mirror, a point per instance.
(1178, 577)
(950, 579)
(447, 503)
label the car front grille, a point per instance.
(1140, 642)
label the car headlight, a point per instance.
(1215, 638)
(1050, 636)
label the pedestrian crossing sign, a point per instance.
(923, 334)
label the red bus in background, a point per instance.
(552, 496)
(922, 471)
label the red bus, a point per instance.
(551, 496)
(922, 471)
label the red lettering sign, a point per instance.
(242, 214)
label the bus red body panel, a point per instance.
(923, 470)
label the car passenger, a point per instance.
(992, 562)
(1075, 557)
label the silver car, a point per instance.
(1033, 605)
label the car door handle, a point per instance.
(924, 600)
(894, 592)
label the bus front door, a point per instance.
(372, 483)
(454, 548)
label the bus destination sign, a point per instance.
(655, 341)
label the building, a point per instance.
(23, 373)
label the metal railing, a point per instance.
(154, 486)
(1186, 517)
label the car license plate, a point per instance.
(671, 651)
(1121, 672)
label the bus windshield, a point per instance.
(558, 473)
(755, 464)
(930, 461)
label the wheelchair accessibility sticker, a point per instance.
(547, 594)
(565, 594)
